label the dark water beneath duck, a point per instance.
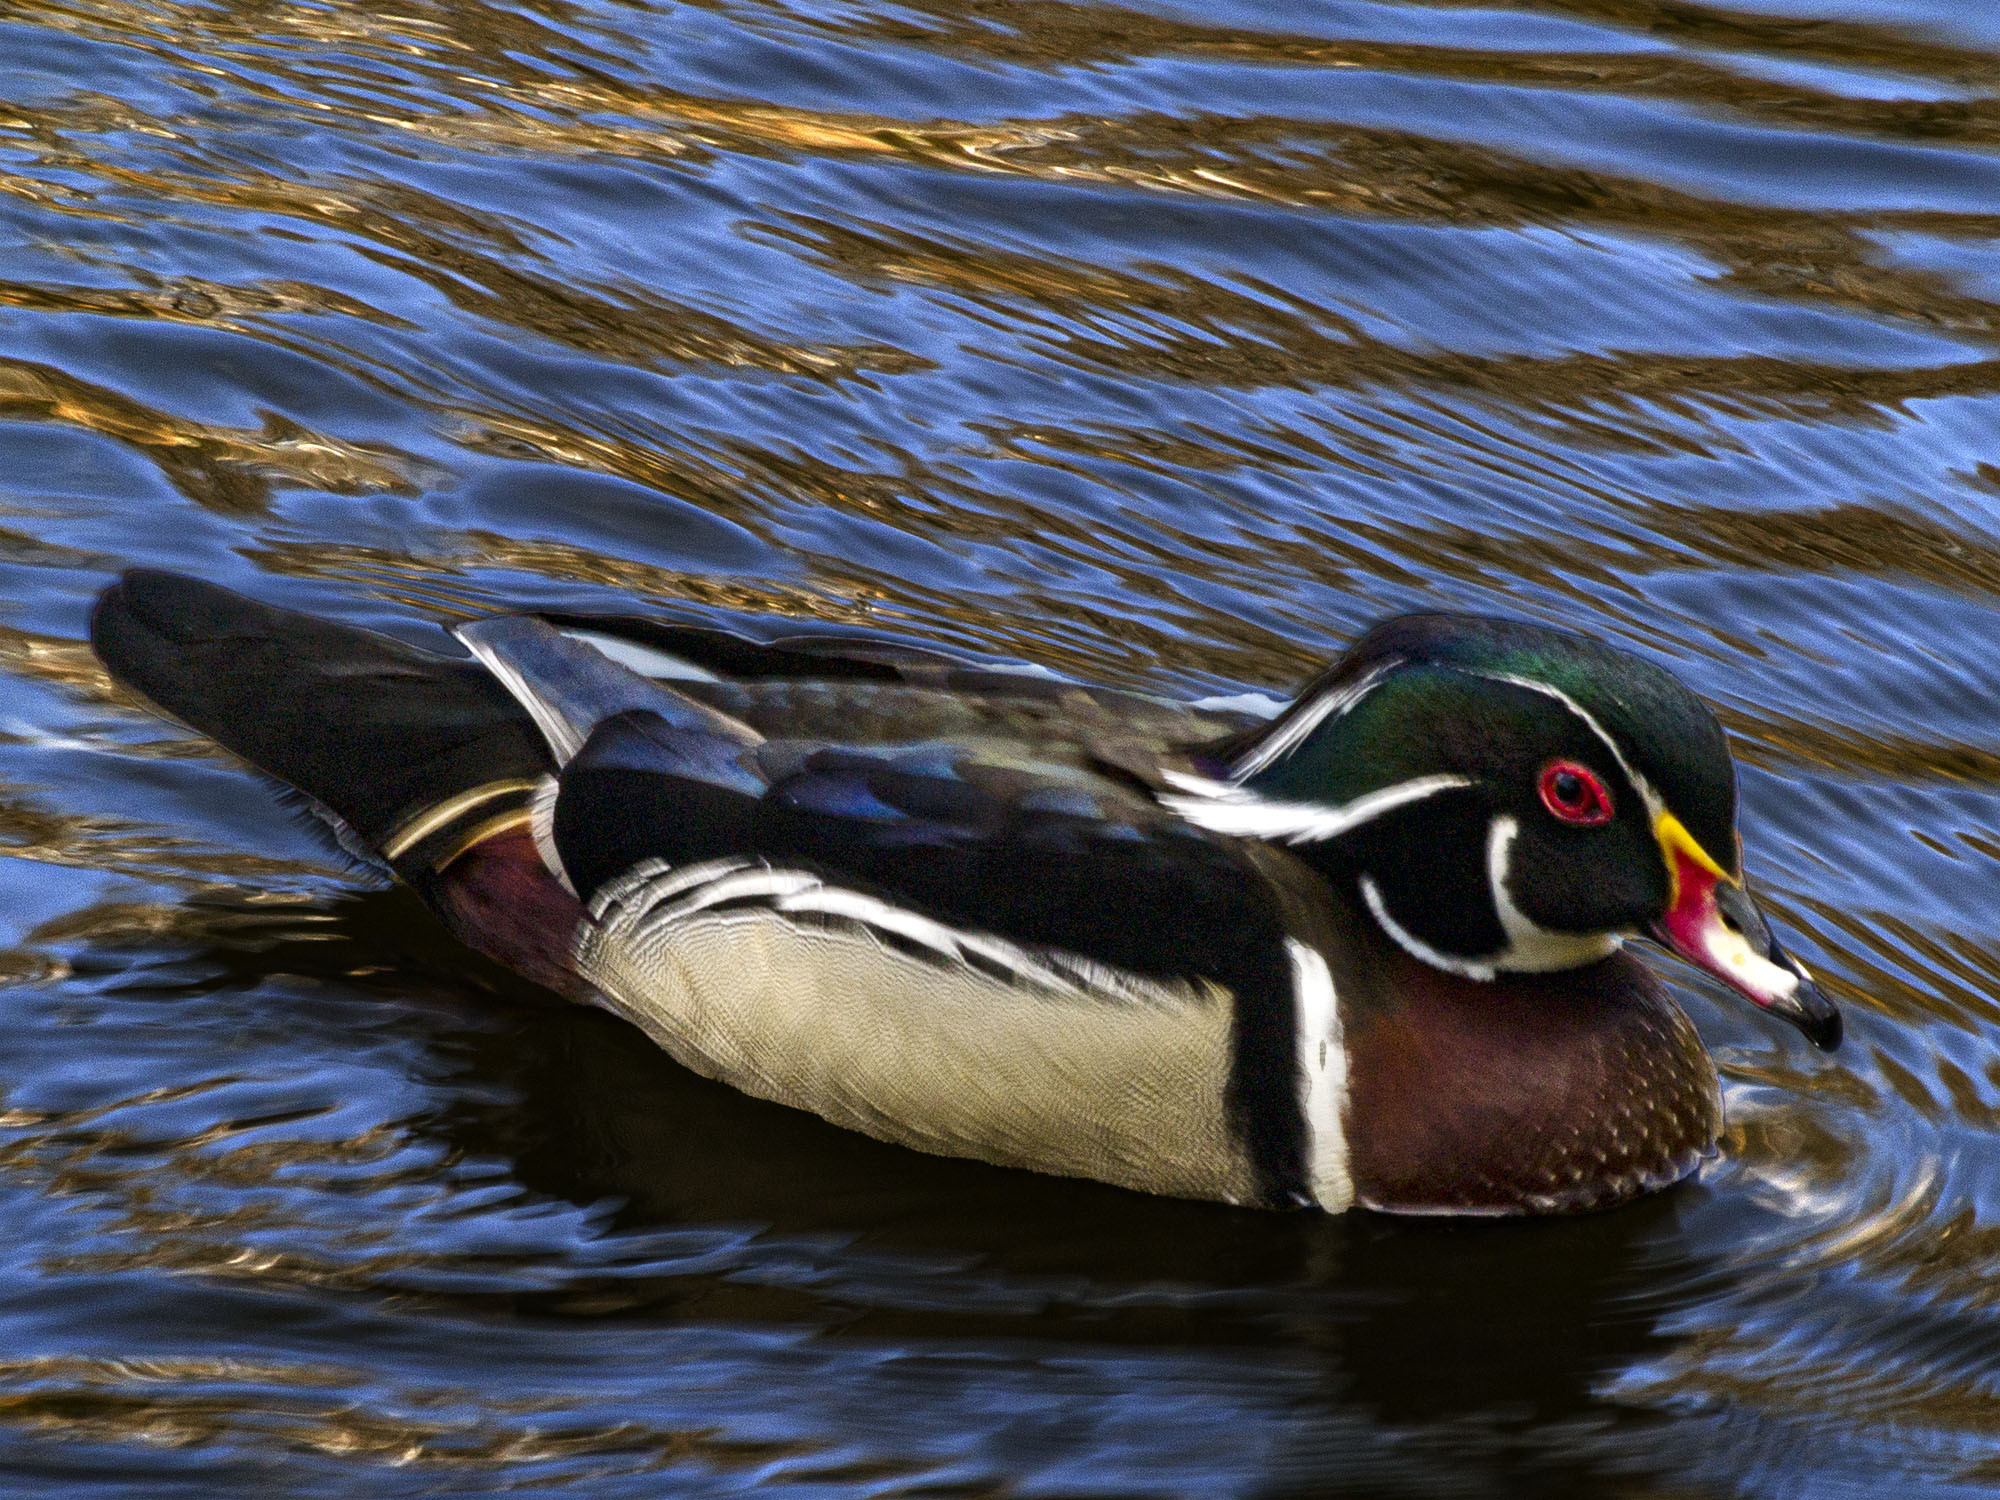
(1155, 342)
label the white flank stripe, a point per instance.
(654, 898)
(652, 881)
(644, 660)
(737, 885)
(1240, 812)
(944, 941)
(1322, 1056)
(1065, 973)
(1287, 737)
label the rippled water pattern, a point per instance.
(1160, 343)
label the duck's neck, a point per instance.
(1525, 1093)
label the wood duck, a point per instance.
(1367, 952)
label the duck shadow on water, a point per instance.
(1418, 1321)
(1415, 1323)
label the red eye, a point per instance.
(1574, 794)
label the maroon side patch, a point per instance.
(499, 898)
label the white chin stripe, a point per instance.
(1533, 949)
(1224, 808)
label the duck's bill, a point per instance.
(1715, 926)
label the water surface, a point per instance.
(1160, 343)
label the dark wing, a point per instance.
(725, 653)
(1044, 855)
(755, 674)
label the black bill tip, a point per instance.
(1816, 1016)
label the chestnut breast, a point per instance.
(1532, 1093)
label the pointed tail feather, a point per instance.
(405, 747)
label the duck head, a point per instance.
(1507, 798)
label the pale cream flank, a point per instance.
(1074, 1070)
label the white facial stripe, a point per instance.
(1655, 805)
(1322, 1058)
(1533, 949)
(1415, 946)
(1287, 737)
(1222, 807)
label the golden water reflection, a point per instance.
(1154, 345)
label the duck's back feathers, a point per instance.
(918, 899)
(989, 917)
(702, 653)
(384, 735)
